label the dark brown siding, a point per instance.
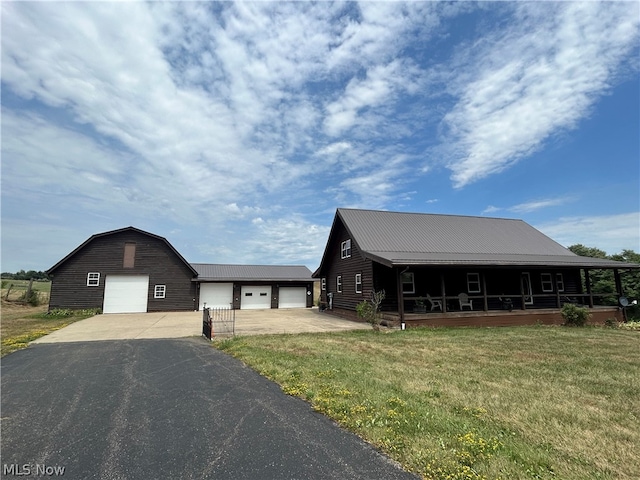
(347, 268)
(105, 255)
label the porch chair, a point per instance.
(434, 303)
(463, 298)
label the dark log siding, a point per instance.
(347, 268)
(105, 255)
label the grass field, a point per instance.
(509, 403)
(21, 324)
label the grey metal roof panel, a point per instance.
(396, 238)
(225, 272)
(433, 233)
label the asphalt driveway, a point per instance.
(133, 409)
(189, 324)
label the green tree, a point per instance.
(603, 281)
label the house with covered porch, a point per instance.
(457, 270)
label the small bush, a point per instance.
(574, 315)
(369, 309)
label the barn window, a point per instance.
(93, 279)
(129, 255)
(560, 282)
(160, 291)
(473, 282)
(358, 283)
(339, 284)
(345, 249)
(323, 283)
(547, 282)
(408, 285)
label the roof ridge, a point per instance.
(431, 214)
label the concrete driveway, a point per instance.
(157, 325)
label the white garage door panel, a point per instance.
(126, 294)
(255, 297)
(216, 295)
(292, 297)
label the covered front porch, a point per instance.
(493, 296)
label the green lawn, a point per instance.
(510, 403)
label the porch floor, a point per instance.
(495, 318)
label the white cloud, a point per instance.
(611, 233)
(533, 80)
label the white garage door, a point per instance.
(126, 294)
(254, 297)
(216, 295)
(292, 297)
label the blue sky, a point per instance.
(235, 130)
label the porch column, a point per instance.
(400, 295)
(484, 289)
(522, 297)
(616, 276)
(443, 292)
(587, 282)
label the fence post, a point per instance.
(206, 323)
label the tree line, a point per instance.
(28, 275)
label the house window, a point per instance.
(473, 282)
(345, 249)
(323, 284)
(160, 291)
(129, 260)
(339, 284)
(358, 283)
(560, 282)
(93, 279)
(408, 286)
(547, 282)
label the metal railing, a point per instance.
(218, 322)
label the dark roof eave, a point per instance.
(250, 279)
(578, 262)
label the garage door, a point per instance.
(216, 295)
(292, 297)
(254, 297)
(126, 294)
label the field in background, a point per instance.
(21, 323)
(466, 403)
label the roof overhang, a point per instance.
(394, 259)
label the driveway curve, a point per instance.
(135, 409)
(189, 324)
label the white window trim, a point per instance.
(413, 284)
(339, 284)
(560, 282)
(358, 283)
(345, 249)
(160, 291)
(546, 281)
(323, 284)
(93, 279)
(473, 282)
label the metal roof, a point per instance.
(396, 238)
(221, 272)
